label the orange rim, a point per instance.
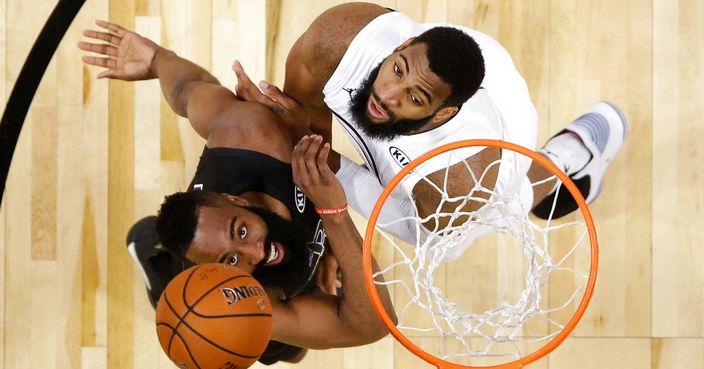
(566, 181)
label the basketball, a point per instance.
(213, 316)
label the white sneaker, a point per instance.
(602, 130)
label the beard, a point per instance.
(385, 131)
(293, 273)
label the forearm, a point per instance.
(175, 75)
(355, 307)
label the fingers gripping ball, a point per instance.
(213, 316)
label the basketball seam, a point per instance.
(166, 324)
(229, 316)
(180, 319)
(188, 349)
(216, 345)
(175, 333)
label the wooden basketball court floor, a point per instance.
(94, 156)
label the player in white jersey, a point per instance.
(501, 109)
(393, 85)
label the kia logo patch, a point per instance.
(300, 199)
(399, 156)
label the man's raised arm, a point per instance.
(190, 90)
(310, 63)
(331, 321)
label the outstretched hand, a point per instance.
(129, 56)
(287, 108)
(312, 174)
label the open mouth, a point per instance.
(376, 111)
(274, 254)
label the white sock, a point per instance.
(567, 152)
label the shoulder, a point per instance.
(251, 126)
(349, 16)
(331, 33)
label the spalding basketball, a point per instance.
(213, 316)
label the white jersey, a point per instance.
(501, 109)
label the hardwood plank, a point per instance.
(89, 276)
(170, 143)
(171, 178)
(17, 201)
(42, 347)
(424, 11)
(146, 349)
(531, 55)
(371, 356)
(3, 56)
(562, 61)
(17, 18)
(69, 68)
(232, 40)
(146, 202)
(606, 353)
(3, 248)
(171, 147)
(147, 127)
(588, 41)
(677, 353)
(199, 26)
(120, 327)
(403, 358)
(481, 15)
(17, 255)
(44, 179)
(94, 239)
(94, 358)
(70, 185)
(147, 8)
(44, 106)
(677, 161)
(273, 15)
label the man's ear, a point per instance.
(404, 45)
(445, 114)
(235, 199)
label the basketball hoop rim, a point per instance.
(545, 162)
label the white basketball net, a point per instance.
(490, 290)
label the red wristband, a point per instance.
(331, 211)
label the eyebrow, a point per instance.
(232, 228)
(419, 87)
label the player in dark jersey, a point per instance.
(243, 207)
